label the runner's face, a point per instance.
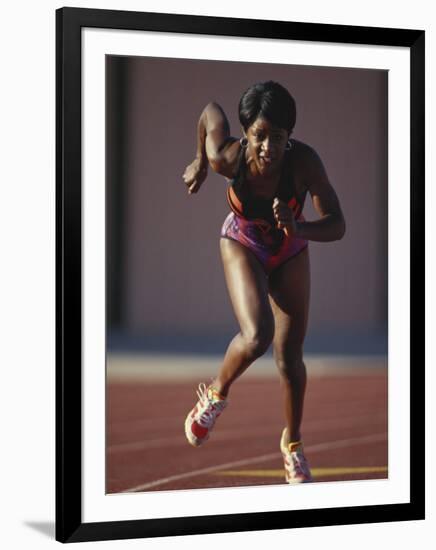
(266, 145)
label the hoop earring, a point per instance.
(244, 142)
(288, 145)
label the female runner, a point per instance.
(264, 249)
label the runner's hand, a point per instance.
(284, 217)
(194, 175)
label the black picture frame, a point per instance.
(69, 524)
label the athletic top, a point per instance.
(245, 205)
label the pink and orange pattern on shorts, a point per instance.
(271, 246)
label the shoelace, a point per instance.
(208, 409)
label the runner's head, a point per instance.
(267, 114)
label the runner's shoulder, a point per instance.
(303, 151)
(305, 158)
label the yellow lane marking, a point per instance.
(316, 472)
(318, 447)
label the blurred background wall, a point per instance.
(165, 282)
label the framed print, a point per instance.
(201, 162)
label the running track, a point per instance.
(345, 430)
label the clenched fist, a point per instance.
(284, 217)
(194, 175)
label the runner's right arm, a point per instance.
(215, 146)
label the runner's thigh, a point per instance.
(289, 290)
(248, 288)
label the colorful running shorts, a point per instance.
(271, 246)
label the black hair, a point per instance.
(269, 100)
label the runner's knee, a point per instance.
(257, 342)
(289, 361)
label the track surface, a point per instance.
(344, 430)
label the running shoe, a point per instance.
(296, 467)
(201, 419)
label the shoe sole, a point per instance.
(194, 442)
(192, 439)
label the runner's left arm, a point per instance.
(331, 223)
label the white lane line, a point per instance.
(328, 445)
(230, 435)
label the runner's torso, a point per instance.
(244, 203)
